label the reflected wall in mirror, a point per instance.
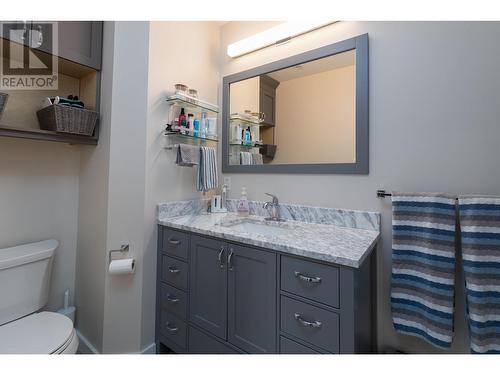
(303, 114)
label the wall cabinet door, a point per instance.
(208, 285)
(78, 41)
(252, 299)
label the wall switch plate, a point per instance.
(227, 182)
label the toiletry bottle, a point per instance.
(182, 121)
(243, 208)
(189, 125)
(196, 127)
(203, 125)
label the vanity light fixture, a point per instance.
(276, 35)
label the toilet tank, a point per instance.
(25, 278)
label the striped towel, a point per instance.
(257, 159)
(423, 266)
(480, 232)
(246, 158)
(207, 170)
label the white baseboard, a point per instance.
(150, 349)
(85, 347)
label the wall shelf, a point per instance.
(46, 135)
(189, 138)
(191, 103)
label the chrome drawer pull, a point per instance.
(230, 261)
(174, 241)
(315, 280)
(173, 270)
(221, 253)
(305, 323)
(172, 299)
(171, 329)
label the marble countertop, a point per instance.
(345, 246)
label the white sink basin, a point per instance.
(257, 227)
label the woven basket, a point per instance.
(65, 119)
(3, 102)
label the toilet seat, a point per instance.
(41, 333)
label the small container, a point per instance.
(243, 208)
(212, 126)
(182, 121)
(203, 124)
(196, 127)
(189, 125)
(181, 89)
(193, 93)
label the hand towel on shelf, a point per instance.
(257, 159)
(207, 170)
(246, 158)
(480, 234)
(423, 266)
(187, 155)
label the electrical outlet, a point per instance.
(227, 182)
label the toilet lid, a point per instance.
(41, 333)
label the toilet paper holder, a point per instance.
(122, 249)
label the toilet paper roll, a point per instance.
(122, 266)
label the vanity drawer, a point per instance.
(173, 329)
(174, 301)
(315, 281)
(174, 272)
(175, 243)
(288, 346)
(312, 324)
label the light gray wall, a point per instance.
(38, 201)
(199, 68)
(92, 212)
(434, 126)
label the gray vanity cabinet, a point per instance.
(252, 299)
(208, 285)
(216, 296)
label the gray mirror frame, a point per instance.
(360, 44)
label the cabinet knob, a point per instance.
(172, 299)
(173, 269)
(173, 241)
(171, 328)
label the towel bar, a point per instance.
(383, 194)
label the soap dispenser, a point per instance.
(243, 208)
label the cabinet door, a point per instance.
(252, 299)
(208, 285)
(78, 41)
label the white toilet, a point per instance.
(24, 288)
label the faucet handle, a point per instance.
(275, 198)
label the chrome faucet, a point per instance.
(274, 207)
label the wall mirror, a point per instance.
(304, 114)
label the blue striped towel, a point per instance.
(480, 232)
(207, 170)
(423, 266)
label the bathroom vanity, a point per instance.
(227, 284)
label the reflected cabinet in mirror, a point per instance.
(304, 114)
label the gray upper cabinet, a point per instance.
(80, 41)
(208, 286)
(267, 99)
(252, 299)
(77, 41)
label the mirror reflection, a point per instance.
(304, 114)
